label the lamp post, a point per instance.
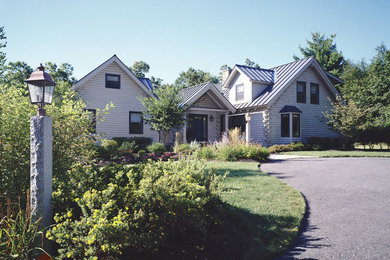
(41, 89)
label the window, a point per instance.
(314, 93)
(285, 125)
(136, 123)
(301, 92)
(113, 81)
(239, 92)
(296, 118)
(92, 115)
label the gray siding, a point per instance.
(116, 123)
(257, 128)
(312, 123)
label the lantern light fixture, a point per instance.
(40, 89)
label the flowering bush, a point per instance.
(122, 209)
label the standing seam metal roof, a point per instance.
(257, 74)
(283, 74)
(147, 83)
(187, 93)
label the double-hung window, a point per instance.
(136, 123)
(239, 92)
(285, 125)
(113, 81)
(314, 93)
(296, 125)
(301, 92)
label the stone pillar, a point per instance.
(41, 169)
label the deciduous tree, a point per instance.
(193, 77)
(164, 113)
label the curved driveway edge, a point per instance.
(348, 202)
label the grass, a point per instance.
(263, 214)
(337, 153)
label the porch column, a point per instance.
(248, 128)
(185, 130)
(226, 122)
(291, 126)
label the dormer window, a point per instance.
(239, 92)
(113, 81)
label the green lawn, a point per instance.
(336, 153)
(263, 216)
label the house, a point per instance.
(113, 81)
(283, 104)
(272, 106)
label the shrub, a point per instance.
(18, 233)
(279, 148)
(107, 149)
(156, 148)
(206, 152)
(326, 143)
(140, 142)
(231, 152)
(145, 207)
(183, 149)
(72, 140)
(235, 152)
(127, 148)
(141, 152)
(256, 152)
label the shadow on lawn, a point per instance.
(304, 240)
(240, 235)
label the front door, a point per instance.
(197, 128)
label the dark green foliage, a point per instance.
(156, 148)
(127, 148)
(120, 210)
(250, 63)
(140, 142)
(326, 143)
(278, 148)
(325, 52)
(141, 153)
(193, 77)
(2, 53)
(364, 117)
(140, 68)
(107, 149)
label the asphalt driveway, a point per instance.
(348, 206)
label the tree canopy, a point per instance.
(193, 77)
(324, 51)
(3, 44)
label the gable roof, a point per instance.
(284, 75)
(102, 66)
(191, 94)
(290, 109)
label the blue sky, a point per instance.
(174, 35)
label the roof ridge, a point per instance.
(238, 65)
(292, 62)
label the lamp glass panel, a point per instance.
(48, 94)
(36, 93)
